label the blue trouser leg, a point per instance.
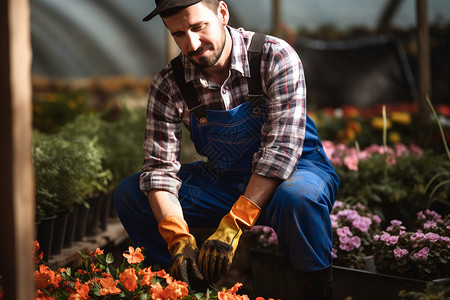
(298, 212)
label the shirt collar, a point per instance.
(239, 59)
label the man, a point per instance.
(265, 161)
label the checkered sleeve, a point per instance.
(162, 138)
(283, 132)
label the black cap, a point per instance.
(165, 5)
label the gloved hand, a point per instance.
(218, 250)
(183, 248)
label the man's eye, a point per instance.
(198, 27)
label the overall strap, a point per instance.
(254, 53)
(255, 93)
(188, 90)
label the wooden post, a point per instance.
(424, 73)
(276, 18)
(17, 207)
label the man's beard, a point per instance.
(207, 61)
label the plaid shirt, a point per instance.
(282, 133)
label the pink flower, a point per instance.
(362, 223)
(376, 218)
(432, 237)
(422, 254)
(429, 224)
(344, 231)
(395, 224)
(338, 204)
(401, 149)
(334, 253)
(328, 147)
(389, 239)
(399, 253)
(385, 236)
(351, 162)
(445, 239)
(421, 216)
(348, 244)
(417, 236)
(416, 150)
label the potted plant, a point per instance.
(354, 227)
(66, 171)
(423, 253)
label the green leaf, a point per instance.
(101, 259)
(109, 258)
(82, 255)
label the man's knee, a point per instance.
(298, 194)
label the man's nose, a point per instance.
(193, 41)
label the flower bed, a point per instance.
(98, 278)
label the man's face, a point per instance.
(200, 33)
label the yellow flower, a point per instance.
(71, 104)
(400, 117)
(377, 123)
(394, 137)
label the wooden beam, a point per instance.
(17, 210)
(276, 18)
(424, 73)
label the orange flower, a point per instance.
(109, 286)
(163, 274)
(230, 294)
(82, 290)
(157, 292)
(350, 111)
(43, 277)
(37, 256)
(97, 252)
(94, 270)
(129, 279)
(43, 296)
(36, 246)
(177, 290)
(134, 256)
(147, 275)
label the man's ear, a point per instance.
(223, 13)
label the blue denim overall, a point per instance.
(298, 211)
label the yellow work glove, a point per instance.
(218, 250)
(183, 248)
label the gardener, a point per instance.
(265, 161)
